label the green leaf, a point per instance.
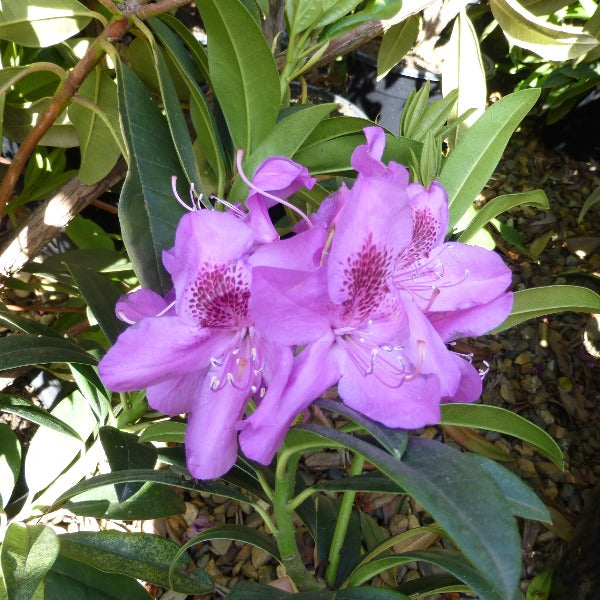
(500, 204)
(591, 200)
(14, 321)
(140, 555)
(70, 579)
(467, 503)
(167, 431)
(540, 586)
(51, 452)
(470, 165)
(551, 42)
(367, 482)
(10, 462)
(202, 117)
(164, 477)
(240, 533)
(91, 387)
(452, 561)
(249, 590)
(494, 418)
(27, 554)
(433, 584)
(463, 70)
(101, 296)
(374, 10)
(35, 414)
(523, 501)
(147, 210)
(41, 23)
(85, 233)
(547, 300)
(100, 140)
(242, 71)
(393, 440)
(27, 349)
(395, 43)
(285, 139)
(434, 117)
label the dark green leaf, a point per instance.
(167, 431)
(16, 322)
(70, 579)
(242, 71)
(247, 590)
(433, 584)
(467, 503)
(367, 482)
(101, 296)
(393, 440)
(10, 462)
(27, 349)
(148, 212)
(140, 555)
(87, 234)
(26, 555)
(494, 418)
(35, 414)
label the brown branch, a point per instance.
(49, 218)
(160, 7)
(65, 91)
(105, 206)
(47, 308)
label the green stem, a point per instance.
(341, 527)
(285, 536)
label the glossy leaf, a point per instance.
(43, 23)
(35, 414)
(166, 431)
(540, 586)
(26, 555)
(93, 390)
(552, 42)
(468, 504)
(494, 418)
(374, 10)
(27, 349)
(433, 118)
(70, 579)
(242, 71)
(367, 482)
(452, 561)
(202, 117)
(147, 210)
(395, 43)
(546, 300)
(10, 462)
(51, 452)
(101, 296)
(470, 165)
(500, 204)
(591, 201)
(285, 139)
(164, 477)
(393, 440)
(140, 555)
(100, 141)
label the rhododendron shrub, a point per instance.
(365, 295)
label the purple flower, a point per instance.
(376, 315)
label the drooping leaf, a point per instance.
(42, 23)
(18, 323)
(10, 462)
(471, 163)
(494, 418)
(467, 503)
(591, 201)
(100, 141)
(147, 210)
(500, 204)
(242, 71)
(546, 300)
(70, 579)
(85, 233)
(140, 555)
(550, 41)
(28, 349)
(26, 555)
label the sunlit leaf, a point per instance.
(10, 462)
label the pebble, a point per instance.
(220, 547)
(526, 467)
(259, 557)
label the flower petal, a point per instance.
(281, 177)
(136, 305)
(314, 370)
(211, 435)
(175, 395)
(157, 349)
(472, 321)
(366, 159)
(470, 386)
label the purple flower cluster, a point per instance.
(365, 295)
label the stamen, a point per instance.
(239, 155)
(122, 317)
(166, 309)
(176, 194)
(234, 209)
